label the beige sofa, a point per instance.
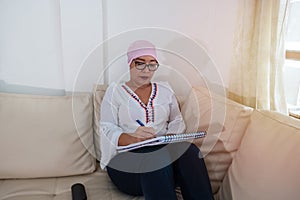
(48, 143)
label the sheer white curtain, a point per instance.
(258, 56)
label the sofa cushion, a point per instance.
(225, 122)
(45, 136)
(267, 165)
(97, 186)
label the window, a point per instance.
(292, 63)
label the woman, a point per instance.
(152, 171)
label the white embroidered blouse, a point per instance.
(121, 107)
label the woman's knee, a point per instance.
(190, 149)
(192, 153)
(193, 150)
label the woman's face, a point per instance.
(142, 76)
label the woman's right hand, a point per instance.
(140, 134)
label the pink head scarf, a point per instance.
(140, 48)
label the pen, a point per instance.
(139, 122)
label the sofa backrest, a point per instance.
(45, 136)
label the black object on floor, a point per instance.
(78, 192)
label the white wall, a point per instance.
(81, 24)
(44, 42)
(30, 51)
(182, 27)
(40, 39)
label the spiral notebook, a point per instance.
(165, 139)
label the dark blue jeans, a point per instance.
(155, 172)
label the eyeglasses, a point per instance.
(142, 66)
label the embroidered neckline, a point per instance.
(150, 101)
